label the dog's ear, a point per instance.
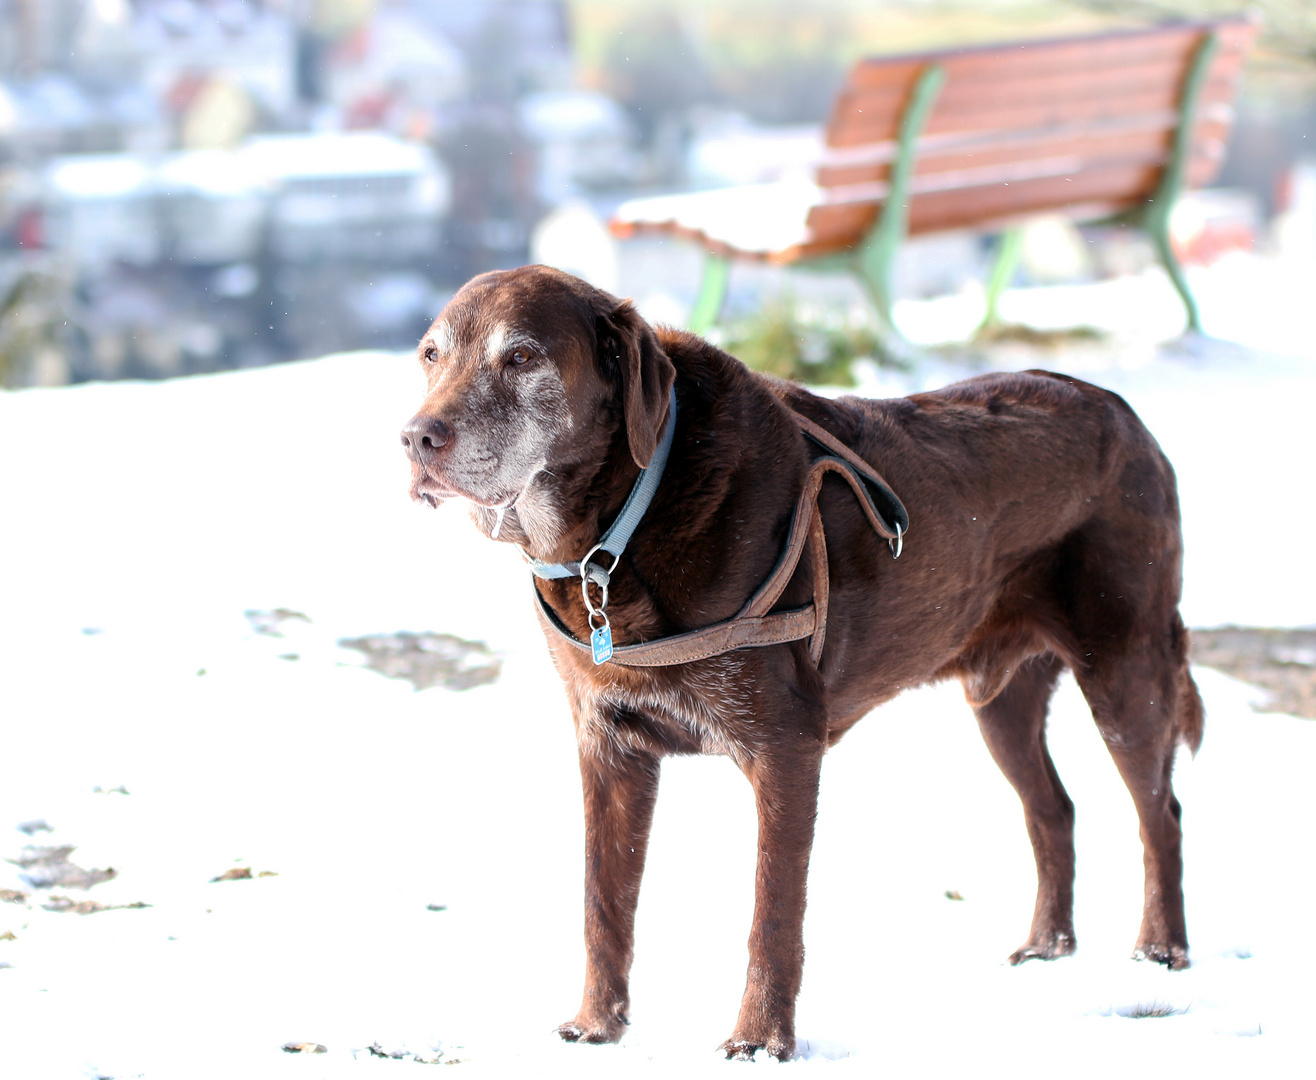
(646, 377)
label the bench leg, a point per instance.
(875, 269)
(1009, 250)
(1156, 217)
(712, 293)
(892, 343)
(875, 258)
(875, 276)
(1157, 224)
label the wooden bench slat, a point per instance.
(842, 245)
(1153, 141)
(1122, 187)
(956, 143)
(1035, 113)
(1166, 64)
(977, 177)
(1118, 186)
(1025, 59)
(961, 102)
(841, 165)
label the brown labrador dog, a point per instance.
(1044, 533)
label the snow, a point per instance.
(141, 521)
(335, 154)
(99, 176)
(760, 218)
(551, 115)
(218, 174)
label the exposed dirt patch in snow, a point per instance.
(49, 867)
(242, 873)
(305, 1048)
(45, 868)
(31, 828)
(1051, 340)
(1281, 662)
(429, 660)
(270, 623)
(429, 1056)
(87, 907)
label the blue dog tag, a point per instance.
(601, 642)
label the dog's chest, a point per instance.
(704, 707)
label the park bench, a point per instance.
(1106, 127)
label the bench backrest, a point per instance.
(1080, 125)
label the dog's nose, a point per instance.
(424, 436)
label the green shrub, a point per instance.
(35, 306)
(805, 344)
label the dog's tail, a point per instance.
(1191, 718)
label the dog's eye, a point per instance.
(431, 355)
(520, 357)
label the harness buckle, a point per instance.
(600, 638)
(601, 580)
(596, 575)
(586, 569)
(898, 544)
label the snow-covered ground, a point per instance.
(141, 521)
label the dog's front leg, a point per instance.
(785, 781)
(620, 789)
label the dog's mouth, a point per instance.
(432, 491)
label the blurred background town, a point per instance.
(198, 185)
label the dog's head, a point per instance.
(533, 375)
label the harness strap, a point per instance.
(892, 524)
(736, 633)
(756, 624)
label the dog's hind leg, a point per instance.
(1013, 724)
(785, 781)
(1144, 701)
(620, 790)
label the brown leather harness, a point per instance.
(756, 624)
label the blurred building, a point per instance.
(214, 183)
(195, 259)
(584, 140)
(99, 209)
(352, 196)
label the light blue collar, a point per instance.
(614, 541)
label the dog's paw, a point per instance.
(1174, 957)
(738, 1049)
(1050, 947)
(584, 1030)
